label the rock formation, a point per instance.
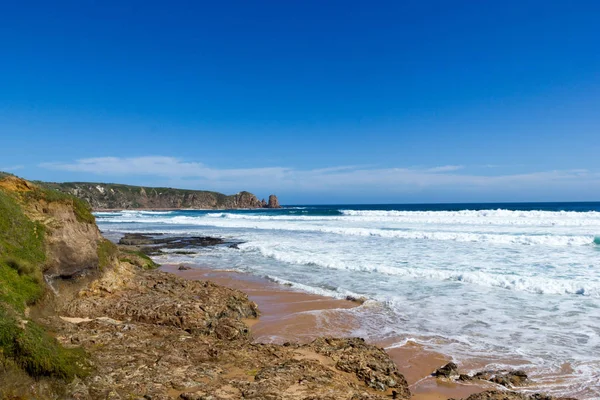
(504, 395)
(273, 202)
(506, 378)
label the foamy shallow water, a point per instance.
(518, 285)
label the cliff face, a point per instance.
(103, 196)
(70, 234)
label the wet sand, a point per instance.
(290, 315)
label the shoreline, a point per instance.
(288, 315)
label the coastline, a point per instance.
(288, 315)
(132, 331)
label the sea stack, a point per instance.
(273, 202)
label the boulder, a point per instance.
(506, 395)
(447, 371)
(504, 378)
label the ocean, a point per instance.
(514, 285)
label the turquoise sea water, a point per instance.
(520, 282)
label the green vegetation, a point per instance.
(138, 259)
(20, 237)
(35, 351)
(19, 289)
(22, 256)
(107, 252)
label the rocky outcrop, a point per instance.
(158, 298)
(504, 395)
(509, 379)
(104, 196)
(72, 245)
(242, 200)
(153, 244)
(370, 364)
(273, 202)
(448, 371)
(506, 378)
(155, 335)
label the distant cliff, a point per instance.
(105, 196)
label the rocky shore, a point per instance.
(153, 335)
(99, 321)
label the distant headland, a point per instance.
(110, 196)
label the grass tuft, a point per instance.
(21, 255)
(138, 259)
(35, 351)
(107, 253)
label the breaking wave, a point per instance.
(437, 235)
(537, 285)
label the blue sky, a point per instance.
(317, 101)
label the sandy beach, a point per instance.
(288, 315)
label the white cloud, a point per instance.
(11, 169)
(159, 166)
(446, 168)
(334, 179)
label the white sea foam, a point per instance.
(338, 293)
(498, 213)
(538, 285)
(466, 217)
(502, 218)
(520, 239)
(140, 212)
